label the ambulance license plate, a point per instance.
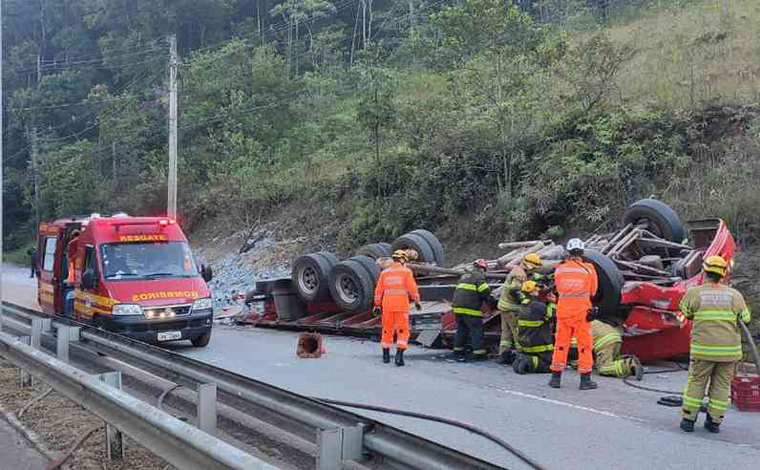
(169, 335)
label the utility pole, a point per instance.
(35, 181)
(171, 201)
(1, 157)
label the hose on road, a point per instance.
(59, 463)
(752, 345)
(496, 440)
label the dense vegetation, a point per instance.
(400, 114)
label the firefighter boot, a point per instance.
(587, 383)
(554, 382)
(386, 355)
(506, 358)
(638, 369)
(399, 357)
(711, 425)
(687, 425)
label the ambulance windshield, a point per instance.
(147, 260)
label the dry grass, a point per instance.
(706, 52)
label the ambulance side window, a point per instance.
(49, 259)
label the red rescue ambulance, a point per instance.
(134, 276)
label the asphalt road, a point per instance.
(615, 426)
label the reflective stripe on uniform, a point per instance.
(717, 404)
(538, 349)
(744, 315)
(609, 338)
(467, 286)
(569, 269)
(574, 296)
(395, 292)
(691, 403)
(530, 323)
(468, 311)
(706, 350)
(715, 315)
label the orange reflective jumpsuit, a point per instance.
(395, 288)
(72, 255)
(576, 283)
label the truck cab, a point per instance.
(134, 276)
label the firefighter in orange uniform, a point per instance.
(395, 288)
(71, 255)
(576, 283)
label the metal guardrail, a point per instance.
(296, 414)
(181, 444)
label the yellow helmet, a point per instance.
(715, 264)
(532, 260)
(529, 286)
(400, 255)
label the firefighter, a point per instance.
(716, 344)
(32, 252)
(471, 291)
(576, 284)
(509, 304)
(71, 255)
(535, 332)
(607, 359)
(395, 288)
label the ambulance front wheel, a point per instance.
(202, 340)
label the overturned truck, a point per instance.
(644, 269)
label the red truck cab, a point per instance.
(134, 276)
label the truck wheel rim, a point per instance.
(346, 288)
(308, 281)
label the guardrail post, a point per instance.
(114, 444)
(207, 408)
(26, 377)
(62, 344)
(338, 445)
(37, 326)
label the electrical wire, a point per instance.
(495, 439)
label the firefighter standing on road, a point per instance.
(576, 284)
(716, 344)
(607, 359)
(536, 341)
(32, 252)
(509, 305)
(471, 291)
(395, 288)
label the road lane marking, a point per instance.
(570, 405)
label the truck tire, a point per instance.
(351, 286)
(434, 243)
(202, 340)
(611, 282)
(310, 275)
(375, 250)
(418, 244)
(661, 219)
(370, 266)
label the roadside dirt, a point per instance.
(59, 423)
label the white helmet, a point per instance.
(575, 244)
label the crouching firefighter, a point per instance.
(471, 291)
(535, 333)
(395, 288)
(607, 358)
(716, 344)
